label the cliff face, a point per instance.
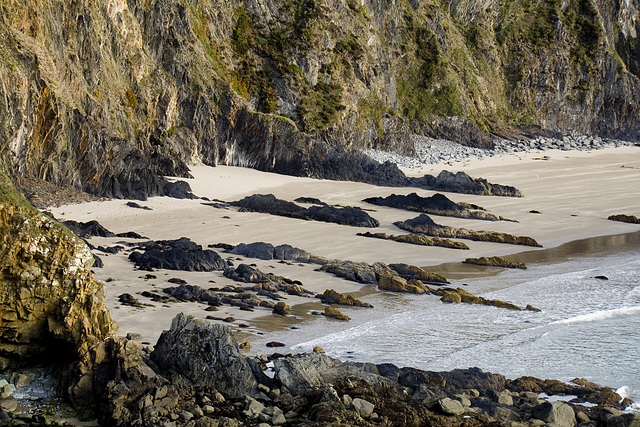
(108, 95)
(48, 297)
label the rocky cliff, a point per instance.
(48, 297)
(109, 95)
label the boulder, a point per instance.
(558, 413)
(181, 254)
(206, 353)
(451, 406)
(334, 313)
(330, 296)
(178, 190)
(394, 283)
(362, 407)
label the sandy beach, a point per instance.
(574, 191)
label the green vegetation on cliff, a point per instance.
(125, 94)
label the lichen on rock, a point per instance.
(47, 292)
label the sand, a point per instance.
(574, 192)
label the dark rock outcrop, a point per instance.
(265, 283)
(178, 190)
(87, 229)
(205, 353)
(424, 224)
(438, 204)
(460, 182)
(266, 251)
(631, 219)
(357, 271)
(268, 203)
(180, 254)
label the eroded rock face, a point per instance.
(206, 353)
(129, 92)
(48, 296)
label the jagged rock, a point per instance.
(395, 283)
(414, 272)
(558, 413)
(495, 261)
(181, 254)
(87, 229)
(451, 406)
(266, 284)
(417, 239)
(362, 407)
(631, 219)
(49, 297)
(357, 271)
(138, 206)
(193, 293)
(438, 204)
(205, 353)
(334, 313)
(268, 203)
(267, 251)
(330, 296)
(424, 224)
(310, 200)
(460, 182)
(178, 190)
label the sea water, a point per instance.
(588, 327)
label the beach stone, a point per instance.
(281, 308)
(362, 407)
(558, 413)
(451, 406)
(206, 353)
(253, 408)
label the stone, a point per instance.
(9, 404)
(451, 406)
(206, 353)
(281, 308)
(504, 398)
(558, 413)
(624, 420)
(253, 408)
(362, 407)
(181, 254)
(334, 313)
(268, 203)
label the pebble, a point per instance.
(430, 150)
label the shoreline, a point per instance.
(594, 173)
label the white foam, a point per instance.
(600, 315)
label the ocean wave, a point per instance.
(599, 315)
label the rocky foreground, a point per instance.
(58, 344)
